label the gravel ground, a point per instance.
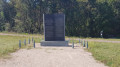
(51, 57)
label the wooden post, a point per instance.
(87, 44)
(34, 43)
(84, 44)
(19, 43)
(73, 45)
(25, 42)
(29, 41)
(32, 39)
(79, 41)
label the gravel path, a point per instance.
(51, 57)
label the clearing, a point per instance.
(51, 57)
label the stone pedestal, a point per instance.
(54, 43)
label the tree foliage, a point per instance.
(83, 18)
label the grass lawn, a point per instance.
(106, 39)
(23, 34)
(108, 53)
(67, 38)
(9, 44)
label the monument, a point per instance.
(54, 30)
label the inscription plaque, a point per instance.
(54, 27)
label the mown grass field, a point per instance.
(108, 53)
(9, 44)
(67, 38)
(89, 38)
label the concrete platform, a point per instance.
(54, 43)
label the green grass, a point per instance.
(89, 38)
(9, 44)
(72, 38)
(23, 34)
(106, 39)
(108, 53)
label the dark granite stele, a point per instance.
(54, 30)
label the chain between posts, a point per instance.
(84, 43)
(24, 42)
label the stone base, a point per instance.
(54, 43)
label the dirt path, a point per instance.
(11, 34)
(51, 57)
(103, 41)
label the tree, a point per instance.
(9, 14)
(1, 17)
(84, 18)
